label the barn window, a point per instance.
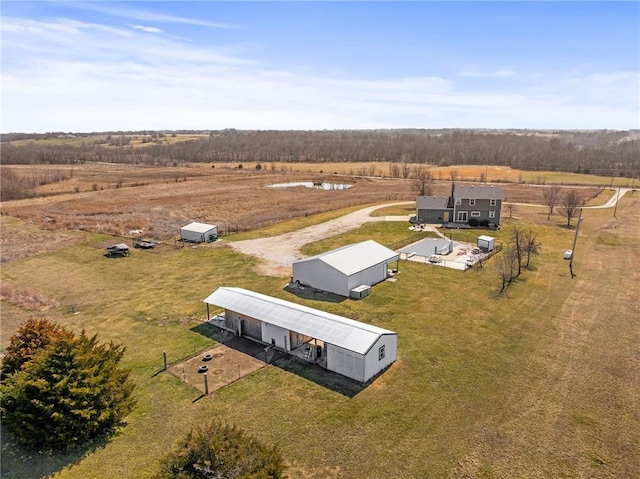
(493, 202)
(458, 201)
(472, 202)
(381, 353)
(475, 213)
(492, 214)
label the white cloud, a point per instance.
(73, 76)
(505, 72)
(147, 16)
(142, 28)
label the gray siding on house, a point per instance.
(481, 206)
(433, 216)
(433, 209)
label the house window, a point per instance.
(462, 215)
(475, 214)
(472, 202)
(381, 353)
(492, 214)
(458, 202)
(493, 202)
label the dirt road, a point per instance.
(279, 252)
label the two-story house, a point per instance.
(466, 202)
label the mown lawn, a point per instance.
(520, 385)
(387, 233)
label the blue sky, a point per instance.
(134, 65)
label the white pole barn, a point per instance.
(357, 350)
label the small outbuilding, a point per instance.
(486, 243)
(341, 270)
(199, 232)
(357, 350)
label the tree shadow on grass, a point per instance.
(19, 462)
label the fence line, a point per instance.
(409, 239)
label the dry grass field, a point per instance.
(540, 382)
(116, 199)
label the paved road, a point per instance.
(613, 200)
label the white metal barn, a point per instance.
(341, 270)
(357, 350)
(199, 232)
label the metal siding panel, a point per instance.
(320, 275)
(345, 362)
(270, 331)
(372, 363)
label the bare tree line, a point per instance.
(603, 153)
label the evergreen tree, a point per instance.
(69, 392)
(33, 336)
(217, 451)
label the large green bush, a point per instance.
(67, 391)
(217, 450)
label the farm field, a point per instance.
(116, 199)
(541, 382)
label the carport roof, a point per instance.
(330, 328)
(353, 258)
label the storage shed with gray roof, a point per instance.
(351, 348)
(341, 270)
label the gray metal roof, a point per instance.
(198, 227)
(479, 192)
(331, 328)
(353, 258)
(432, 202)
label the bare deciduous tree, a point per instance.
(453, 175)
(551, 198)
(570, 206)
(516, 244)
(531, 245)
(506, 266)
(423, 181)
(510, 208)
(394, 170)
(406, 169)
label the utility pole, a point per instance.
(573, 249)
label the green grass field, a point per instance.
(540, 382)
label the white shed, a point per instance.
(199, 232)
(486, 242)
(343, 269)
(357, 350)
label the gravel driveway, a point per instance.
(279, 252)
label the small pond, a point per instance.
(312, 184)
